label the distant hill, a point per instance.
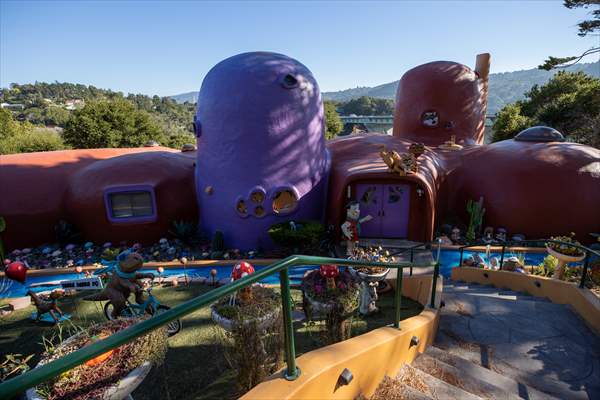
(189, 97)
(505, 87)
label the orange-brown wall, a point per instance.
(34, 193)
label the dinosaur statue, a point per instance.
(46, 306)
(124, 280)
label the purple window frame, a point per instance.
(129, 189)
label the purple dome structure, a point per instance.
(261, 152)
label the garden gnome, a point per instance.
(351, 228)
(368, 297)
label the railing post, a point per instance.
(502, 257)
(292, 371)
(584, 272)
(461, 256)
(398, 296)
(412, 256)
(436, 272)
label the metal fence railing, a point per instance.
(48, 371)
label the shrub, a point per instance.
(305, 238)
(186, 231)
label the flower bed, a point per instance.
(102, 376)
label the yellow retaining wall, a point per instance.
(583, 301)
(369, 357)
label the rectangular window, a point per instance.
(135, 203)
(131, 204)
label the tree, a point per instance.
(585, 27)
(333, 123)
(115, 123)
(19, 137)
(366, 105)
(569, 102)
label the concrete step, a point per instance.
(465, 380)
(498, 294)
(491, 383)
(436, 388)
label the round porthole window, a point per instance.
(259, 211)
(241, 208)
(430, 119)
(284, 202)
(289, 81)
(257, 196)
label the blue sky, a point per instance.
(165, 48)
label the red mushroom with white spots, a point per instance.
(329, 272)
(239, 271)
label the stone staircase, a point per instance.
(500, 344)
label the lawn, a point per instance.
(195, 366)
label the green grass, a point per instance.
(195, 366)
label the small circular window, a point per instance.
(259, 211)
(284, 202)
(289, 81)
(257, 196)
(241, 208)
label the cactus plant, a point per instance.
(476, 212)
(2, 229)
(217, 245)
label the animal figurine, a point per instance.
(368, 298)
(123, 281)
(400, 164)
(49, 306)
(455, 236)
(351, 228)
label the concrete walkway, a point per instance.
(541, 345)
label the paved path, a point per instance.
(531, 340)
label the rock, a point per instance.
(88, 245)
(46, 250)
(224, 281)
(20, 303)
(56, 253)
(107, 245)
(70, 247)
(215, 255)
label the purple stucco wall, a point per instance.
(258, 130)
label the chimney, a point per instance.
(482, 65)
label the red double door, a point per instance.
(389, 205)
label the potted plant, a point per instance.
(564, 253)
(252, 305)
(330, 294)
(113, 375)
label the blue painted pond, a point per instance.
(448, 259)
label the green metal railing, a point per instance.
(535, 243)
(48, 371)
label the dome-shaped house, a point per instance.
(261, 151)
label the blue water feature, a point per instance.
(448, 260)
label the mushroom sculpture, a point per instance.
(329, 272)
(239, 271)
(16, 271)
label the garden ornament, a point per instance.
(329, 272)
(368, 297)
(123, 281)
(351, 228)
(49, 306)
(455, 236)
(239, 271)
(488, 234)
(501, 234)
(213, 276)
(17, 271)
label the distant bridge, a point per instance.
(382, 123)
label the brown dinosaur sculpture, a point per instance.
(124, 280)
(46, 306)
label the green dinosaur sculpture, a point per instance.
(476, 212)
